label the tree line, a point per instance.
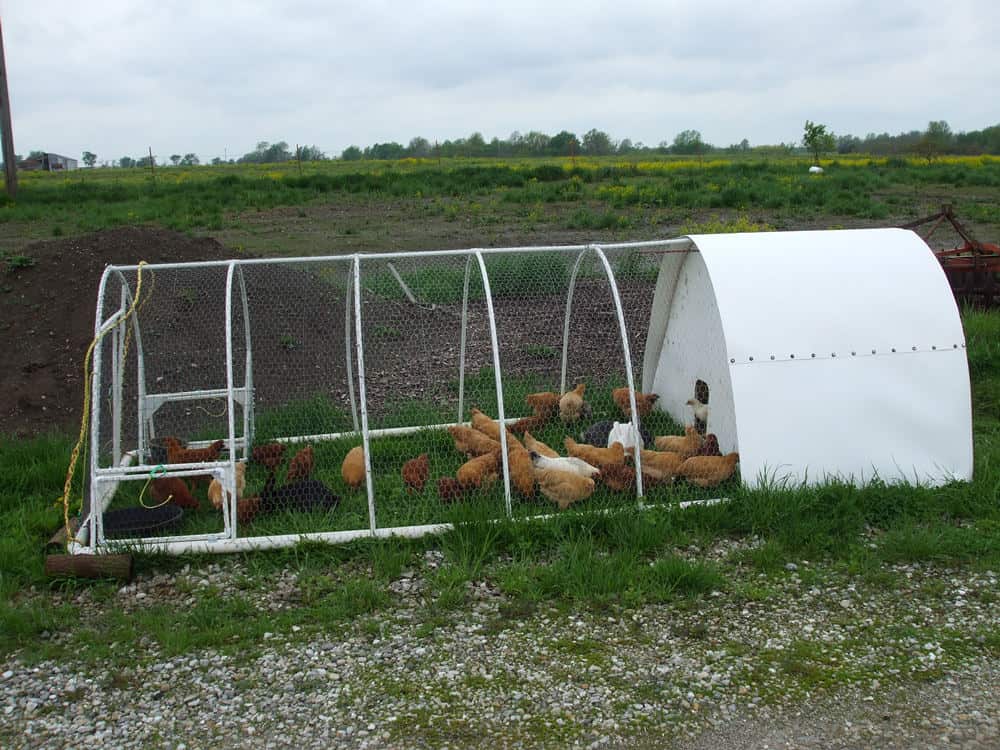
(938, 138)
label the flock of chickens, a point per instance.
(569, 479)
(608, 458)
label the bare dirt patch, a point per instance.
(48, 317)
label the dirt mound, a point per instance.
(48, 318)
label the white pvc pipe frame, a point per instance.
(104, 480)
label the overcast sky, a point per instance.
(212, 77)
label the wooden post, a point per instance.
(89, 566)
(152, 172)
(9, 159)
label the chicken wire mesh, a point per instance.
(358, 393)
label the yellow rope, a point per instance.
(85, 419)
(128, 329)
(159, 471)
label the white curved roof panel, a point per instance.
(844, 350)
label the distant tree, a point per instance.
(311, 153)
(937, 139)
(564, 143)
(267, 153)
(351, 153)
(189, 160)
(216, 161)
(817, 139)
(475, 145)
(939, 132)
(688, 142)
(625, 146)
(597, 143)
(89, 158)
(126, 161)
(419, 147)
(145, 162)
(391, 150)
(536, 143)
(36, 155)
(744, 145)
(848, 144)
(175, 159)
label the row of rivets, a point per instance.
(853, 354)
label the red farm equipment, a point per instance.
(972, 268)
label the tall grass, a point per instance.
(209, 197)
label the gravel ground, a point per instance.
(809, 658)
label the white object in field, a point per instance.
(815, 169)
(624, 433)
(830, 354)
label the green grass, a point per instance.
(581, 558)
(212, 198)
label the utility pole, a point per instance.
(9, 160)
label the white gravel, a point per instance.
(812, 658)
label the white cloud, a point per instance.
(118, 76)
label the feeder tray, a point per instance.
(130, 522)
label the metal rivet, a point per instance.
(772, 357)
(873, 351)
(833, 354)
(814, 355)
(792, 356)
(894, 349)
(954, 346)
(934, 348)
(914, 348)
(751, 359)
(854, 354)
(732, 361)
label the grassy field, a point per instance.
(627, 559)
(326, 206)
(624, 559)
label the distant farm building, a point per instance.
(47, 163)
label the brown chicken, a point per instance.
(527, 423)
(599, 457)
(708, 471)
(618, 478)
(177, 453)
(572, 405)
(522, 474)
(269, 455)
(490, 427)
(660, 465)
(215, 492)
(353, 468)
(301, 465)
(686, 446)
(472, 442)
(538, 446)
(643, 401)
(543, 404)
(246, 508)
(173, 490)
(416, 471)
(449, 490)
(563, 487)
(710, 447)
(479, 472)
